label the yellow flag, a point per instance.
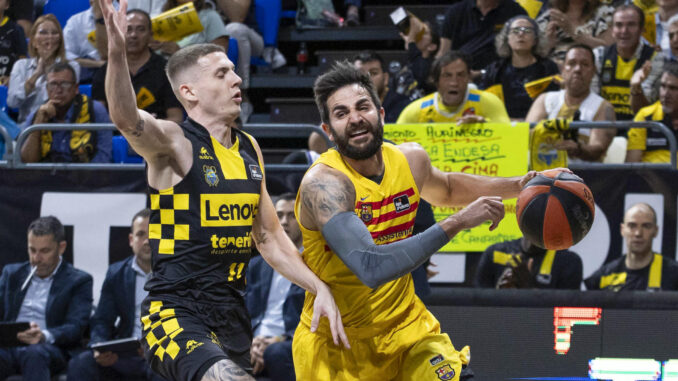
(176, 23)
(538, 86)
(532, 7)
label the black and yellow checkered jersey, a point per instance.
(200, 229)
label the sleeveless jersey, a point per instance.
(200, 229)
(616, 78)
(388, 210)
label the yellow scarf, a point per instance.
(542, 153)
(82, 144)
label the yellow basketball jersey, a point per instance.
(388, 210)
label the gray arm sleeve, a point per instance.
(374, 264)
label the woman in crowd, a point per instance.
(522, 48)
(575, 21)
(27, 84)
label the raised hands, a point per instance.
(116, 24)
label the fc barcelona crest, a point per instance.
(211, 177)
(366, 213)
(445, 372)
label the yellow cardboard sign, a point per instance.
(176, 23)
(490, 149)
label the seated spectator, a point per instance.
(421, 51)
(617, 62)
(471, 26)
(455, 100)
(117, 315)
(147, 70)
(640, 268)
(576, 102)
(522, 264)
(648, 145)
(52, 295)
(66, 105)
(568, 22)
(274, 304)
(22, 12)
(521, 47)
(13, 44)
(645, 81)
(369, 62)
(27, 90)
(656, 23)
(80, 37)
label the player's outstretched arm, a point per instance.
(279, 251)
(456, 188)
(149, 137)
(327, 204)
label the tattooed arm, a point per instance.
(160, 142)
(325, 192)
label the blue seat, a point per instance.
(267, 14)
(122, 152)
(232, 52)
(64, 9)
(86, 89)
(3, 97)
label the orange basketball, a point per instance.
(555, 210)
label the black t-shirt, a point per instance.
(21, 10)
(615, 276)
(566, 272)
(473, 33)
(513, 82)
(12, 46)
(393, 105)
(153, 90)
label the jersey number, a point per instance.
(235, 271)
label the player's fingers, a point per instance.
(315, 320)
(341, 332)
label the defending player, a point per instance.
(356, 207)
(208, 203)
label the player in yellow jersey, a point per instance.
(455, 100)
(356, 207)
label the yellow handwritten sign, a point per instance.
(489, 149)
(176, 23)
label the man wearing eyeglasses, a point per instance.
(66, 105)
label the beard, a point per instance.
(356, 153)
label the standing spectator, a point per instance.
(49, 293)
(421, 47)
(645, 81)
(570, 22)
(67, 105)
(370, 62)
(455, 100)
(522, 49)
(12, 45)
(640, 268)
(117, 315)
(80, 37)
(522, 264)
(657, 23)
(147, 71)
(648, 145)
(617, 62)
(27, 90)
(275, 304)
(576, 102)
(471, 26)
(22, 12)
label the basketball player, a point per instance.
(208, 204)
(356, 207)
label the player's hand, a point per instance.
(324, 305)
(105, 358)
(483, 209)
(32, 335)
(116, 24)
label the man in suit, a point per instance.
(274, 304)
(49, 293)
(121, 297)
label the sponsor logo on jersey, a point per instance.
(211, 177)
(469, 111)
(237, 242)
(366, 212)
(215, 339)
(401, 203)
(204, 154)
(256, 173)
(436, 360)
(445, 372)
(191, 345)
(232, 209)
